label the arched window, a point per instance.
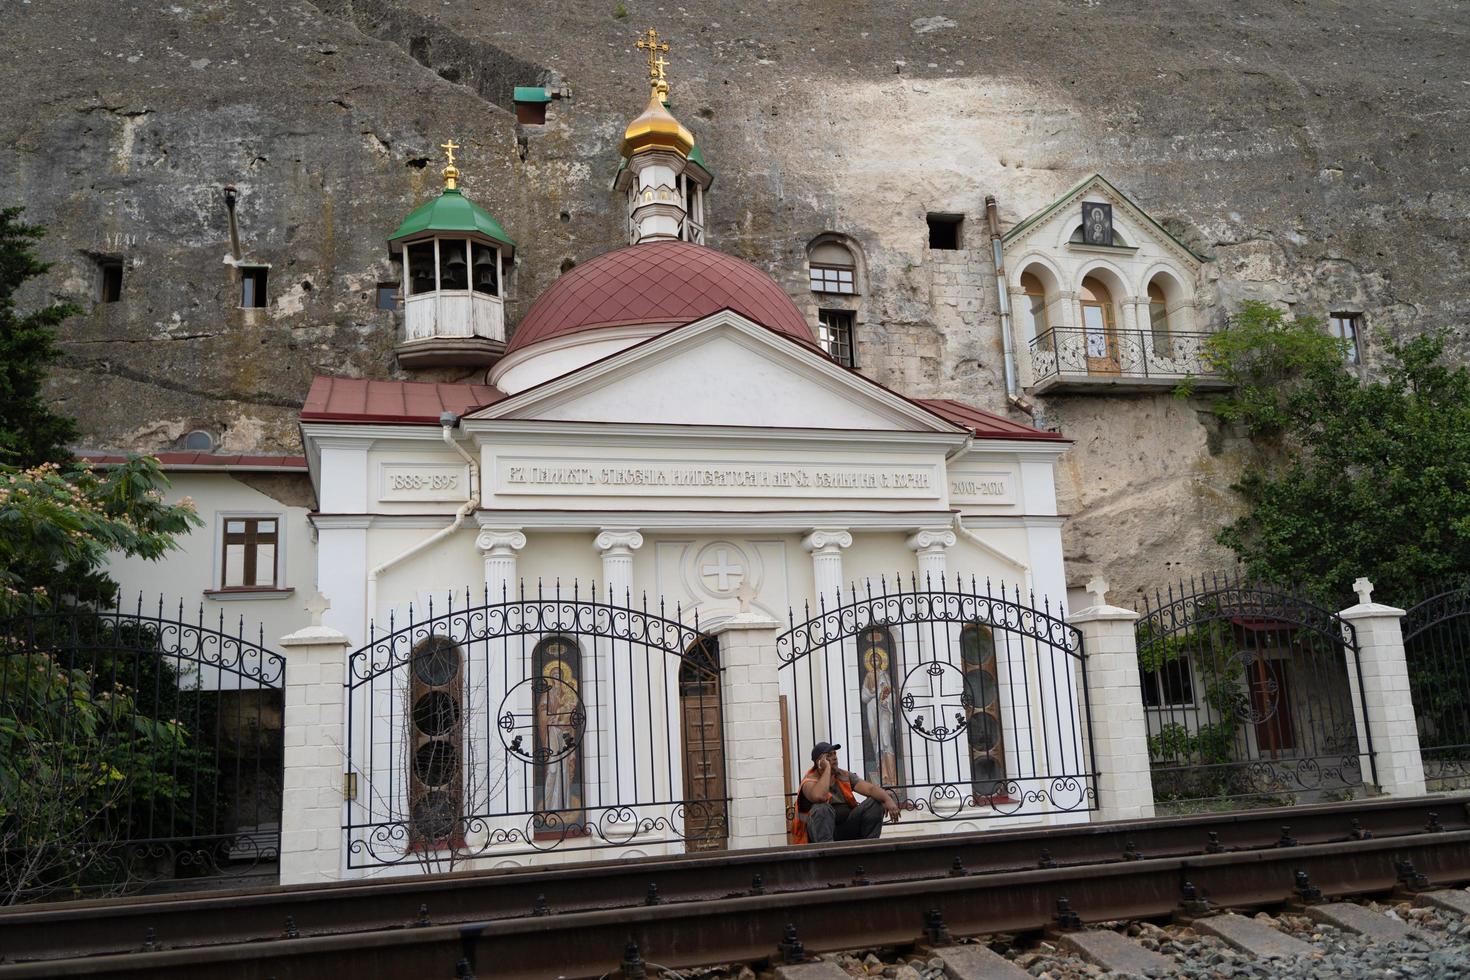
(436, 716)
(878, 686)
(833, 268)
(1158, 316)
(1099, 327)
(982, 707)
(560, 723)
(1033, 311)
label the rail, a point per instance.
(1088, 863)
(1076, 352)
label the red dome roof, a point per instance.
(659, 284)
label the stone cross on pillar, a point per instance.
(1364, 589)
(316, 607)
(1097, 587)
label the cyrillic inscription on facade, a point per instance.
(664, 478)
(421, 481)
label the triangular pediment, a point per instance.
(1054, 224)
(722, 370)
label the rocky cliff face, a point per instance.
(1316, 152)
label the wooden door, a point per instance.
(702, 725)
(1271, 703)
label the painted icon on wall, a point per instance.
(1097, 223)
(880, 717)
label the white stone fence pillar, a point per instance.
(1382, 706)
(1115, 696)
(315, 754)
(752, 708)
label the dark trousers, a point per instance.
(864, 823)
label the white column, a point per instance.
(1384, 696)
(498, 546)
(616, 545)
(841, 675)
(505, 663)
(341, 573)
(313, 848)
(612, 721)
(751, 702)
(929, 547)
(1119, 730)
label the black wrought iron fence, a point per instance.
(1437, 648)
(966, 702)
(1252, 697)
(139, 749)
(515, 724)
(1166, 354)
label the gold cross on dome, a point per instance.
(653, 46)
(451, 172)
(449, 149)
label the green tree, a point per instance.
(1355, 477)
(30, 433)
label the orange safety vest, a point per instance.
(797, 831)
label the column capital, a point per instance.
(618, 540)
(500, 542)
(930, 540)
(827, 540)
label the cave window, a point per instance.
(834, 330)
(833, 269)
(109, 280)
(387, 296)
(1346, 327)
(252, 287)
(944, 231)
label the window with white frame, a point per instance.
(1346, 327)
(250, 547)
(1171, 686)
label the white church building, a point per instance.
(602, 601)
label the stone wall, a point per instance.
(1315, 153)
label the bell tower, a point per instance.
(663, 175)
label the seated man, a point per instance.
(826, 809)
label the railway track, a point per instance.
(577, 920)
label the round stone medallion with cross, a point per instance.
(935, 701)
(722, 569)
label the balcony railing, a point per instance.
(1146, 358)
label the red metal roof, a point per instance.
(986, 425)
(660, 283)
(206, 461)
(404, 402)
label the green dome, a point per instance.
(451, 212)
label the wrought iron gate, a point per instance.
(1250, 693)
(137, 748)
(554, 721)
(1437, 647)
(964, 702)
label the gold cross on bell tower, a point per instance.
(451, 172)
(657, 79)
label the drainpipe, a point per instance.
(231, 196)
(1003, 293)
(448, 421)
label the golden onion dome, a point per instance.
(656, 129)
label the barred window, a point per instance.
(250, 546)
(834, 331)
